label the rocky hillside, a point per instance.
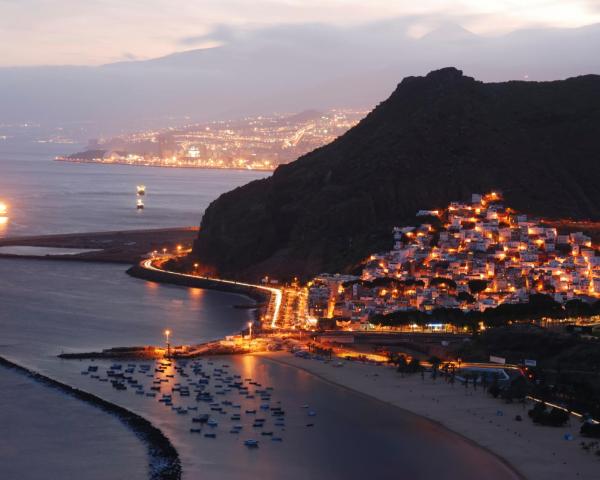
(435, 139)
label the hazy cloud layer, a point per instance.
(34, 32)
(286, 68)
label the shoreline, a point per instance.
(506, 463)
(164, 276)
(116, 246)
(164, 462)
(528, 450)
(95, 162)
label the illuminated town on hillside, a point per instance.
(300, 239)
(470, 256)
(252, 143)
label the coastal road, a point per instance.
(275, 293)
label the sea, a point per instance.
(45, 196)
(49, 307)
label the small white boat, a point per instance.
(141, 189)
(139, 204)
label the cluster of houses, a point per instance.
(470, 256)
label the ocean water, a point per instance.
(47, 307)
(46, 196)
(31, 447)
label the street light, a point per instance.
(164, 251)
(250, 328)
(167, 333)
(178, 248)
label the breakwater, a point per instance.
(164, 460)
(149, 353)
(162, 276)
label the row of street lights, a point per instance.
(179, 248)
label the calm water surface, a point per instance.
(48, 307)
(46, 196)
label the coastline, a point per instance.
(164, 462)
(118, 246)
(163, 276)
(528, 450)
(277, 359)
(95, 162)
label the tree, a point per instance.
(517, 390)
(494, 389)
(589, 429)
(477, 286)
(435, 365)
(414, 365)
(556, 417)
(465, 297)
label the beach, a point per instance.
(51, 307)
(536, 452)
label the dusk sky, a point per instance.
(54, 32)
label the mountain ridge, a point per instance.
(437, 138)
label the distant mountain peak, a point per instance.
(448, 32)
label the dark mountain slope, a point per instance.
(437, 138)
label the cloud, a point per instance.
(218, 34)
(592, 6)
(74, 31)
(129, 56)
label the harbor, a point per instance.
(193, 314)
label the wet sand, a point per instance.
(127, 246)
(536, 452)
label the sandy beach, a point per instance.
(536, 452)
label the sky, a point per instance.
(95, 32)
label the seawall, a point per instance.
(164, 459)
(259, 296)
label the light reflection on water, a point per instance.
(48, 307)
(352, 437)
(54, 197)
